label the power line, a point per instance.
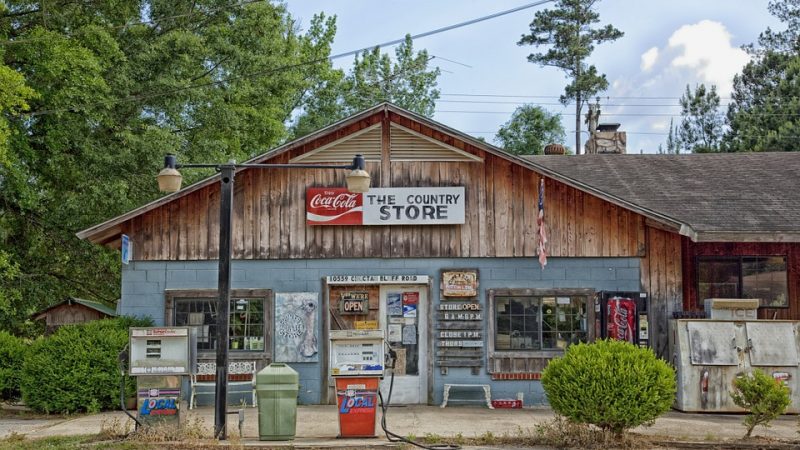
(443, 29)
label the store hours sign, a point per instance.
(386, 206)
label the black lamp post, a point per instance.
(169, 180)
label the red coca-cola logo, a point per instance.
(621, 312)
(333, 206)
(343, 200)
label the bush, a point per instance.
(75, 369)
(764, 397)
(12, 353)
(611, 384)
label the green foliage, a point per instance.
(762, 114)
(611, 384)
(407, 81)
(75, 369)
(92, 96)
(529, 130)
(567, 31)
(12, 354)
(673, 147)
(764, 397)
(700, 130)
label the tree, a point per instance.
(567, 30)
(408, 82)
(529, 130)
(110, 88)
(672, 142)
(700, 130)
(762, 114)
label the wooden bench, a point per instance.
(487, 392)
(241, 374)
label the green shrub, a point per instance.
(611, 384)
(764, 397)
(12, 353)
(75, 369)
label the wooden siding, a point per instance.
(662, 279)
(501, 207)
(790, 251)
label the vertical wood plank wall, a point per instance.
(661, 273)
(501, 208)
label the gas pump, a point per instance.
(357, 366)
(159, 358)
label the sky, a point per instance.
(485, 75)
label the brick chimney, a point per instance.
(606, 139)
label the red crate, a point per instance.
(507, 404)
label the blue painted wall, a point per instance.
(144, 282)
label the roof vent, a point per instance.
(554, 149)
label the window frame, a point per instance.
(740, 286)
(266, 297)
(588, 294)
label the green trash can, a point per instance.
(276, 391)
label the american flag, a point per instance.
(540, 250)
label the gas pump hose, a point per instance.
(122, 358)
(392, 437)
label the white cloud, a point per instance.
(705, 48)
(649, 59)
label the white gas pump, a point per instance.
(159, 358)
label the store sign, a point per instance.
(386, 206)
(460, 283)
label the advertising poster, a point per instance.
(394, 304)
(409, 335)
(295, 327)
(410, 303)
(394, 333)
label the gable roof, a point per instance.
(97, 306)
(714, 196)
(684, 199)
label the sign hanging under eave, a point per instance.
(126, 249)
(386, 206)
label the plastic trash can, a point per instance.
(276, 390)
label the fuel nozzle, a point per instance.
(391, 356)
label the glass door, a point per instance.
(403, 315)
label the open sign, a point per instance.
(354, 306)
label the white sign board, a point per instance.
(377, 279)
(414, 206)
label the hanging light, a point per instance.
(169, 179)
(358, 179)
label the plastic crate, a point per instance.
(507, 404)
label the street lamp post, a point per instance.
(169, 180)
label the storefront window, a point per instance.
(539, 322)
(763, 278)
(246, 322)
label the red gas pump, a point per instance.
(356, 361)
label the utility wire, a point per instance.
(443, 29)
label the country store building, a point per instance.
(442, 252)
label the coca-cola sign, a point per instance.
(621, 324)
(386, 206)
(333, 206)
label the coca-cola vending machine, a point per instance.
(622, 316)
